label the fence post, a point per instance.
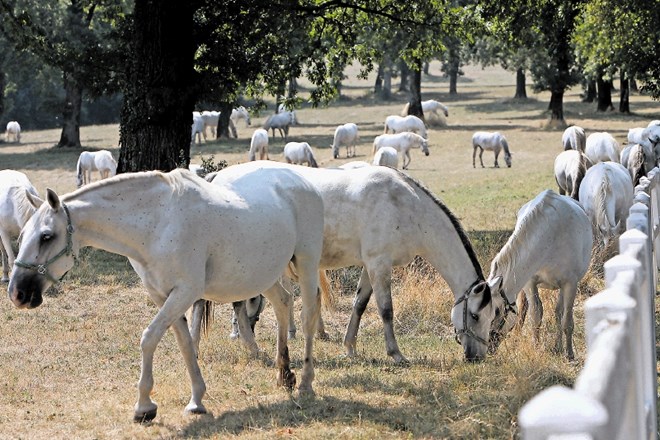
(559, 409)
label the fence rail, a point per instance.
(615, 393)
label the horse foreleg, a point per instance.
(564, 316)
(171, 313)
(382, 286)
(406, 155)
(280, 300)
(497, 153)
(474, 155)
(7, 254)
(360, 302)
(198, 387)
(245, 330)
(535, 308)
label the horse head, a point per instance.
(46, 253)
(425, 147)
(506, 313)
(507, 159)
(472, 315)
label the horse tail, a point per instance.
(577, 181)
(406, 107)
(79, 172)
(207, 316)
(636, 163)
(252, 154)
(310, 157)
(327, 297)
(603, 217)
(375, 148)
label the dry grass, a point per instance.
(69, 368)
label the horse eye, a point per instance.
(497, 312)
(46, 237)
(474, 316)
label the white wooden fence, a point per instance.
(615, 394)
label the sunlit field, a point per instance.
(69, 368)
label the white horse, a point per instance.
(495, 141)
(259, 145)
(299, 153)
(429, 107)
(282, 121)
(602, 147)
(634, 159)
(411, 221)
(574, 138)
(217, 234)
(210, 118)
(410, 123)
(238, 114)
(403, 143)
(570, 168)
(354, 164)
(15, 210)
(14, 131)
(197, 129)
(606, 193)
(101, 161)
(345, 135)
(550, 247)
(387, 156)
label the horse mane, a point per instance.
(174, 179)
(505, 145)
(24, 207)
(452, 218)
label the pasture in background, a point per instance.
(70, 367)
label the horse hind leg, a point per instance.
(280, 299)
(245, 330)
(362, 296)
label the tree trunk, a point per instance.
(222, 130)
(70, 136)
(415, 107)
(156, 117)
(604, 94)
(405, 73)
(426, 68)
(556, 108)
(624, 101)
(590, 94)
(521, 91)
(378, 85)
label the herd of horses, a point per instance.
(312, 220)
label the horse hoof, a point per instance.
(145, 417)
(306, 392)
(233, 335)
(287, 379)
(292, 335)
(193, 408)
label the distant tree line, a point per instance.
(159, 59)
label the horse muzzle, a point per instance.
(427, 153)
(26, 294)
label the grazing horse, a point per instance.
(429, 107)
(606, 193)
(550, 247)
(411, 222)
(570, 168)
(299, 153)
(237, 114)
(634, 159)
(15, 210)
(410, 123)
(101, 161)
(602, 147)
(403, 143)
(14, 131)
(574, 138)
(259, 145)
(216, 234)
(387, 157)
(346, 135)
(281, 121)
(495, 141)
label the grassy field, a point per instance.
(68, 369)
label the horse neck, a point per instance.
(448, 248)
(518, 260)
(103, 217)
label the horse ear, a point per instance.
(35, 200)
(495, 283)
(53, 199)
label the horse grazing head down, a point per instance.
(472, 315)
(46, 253)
